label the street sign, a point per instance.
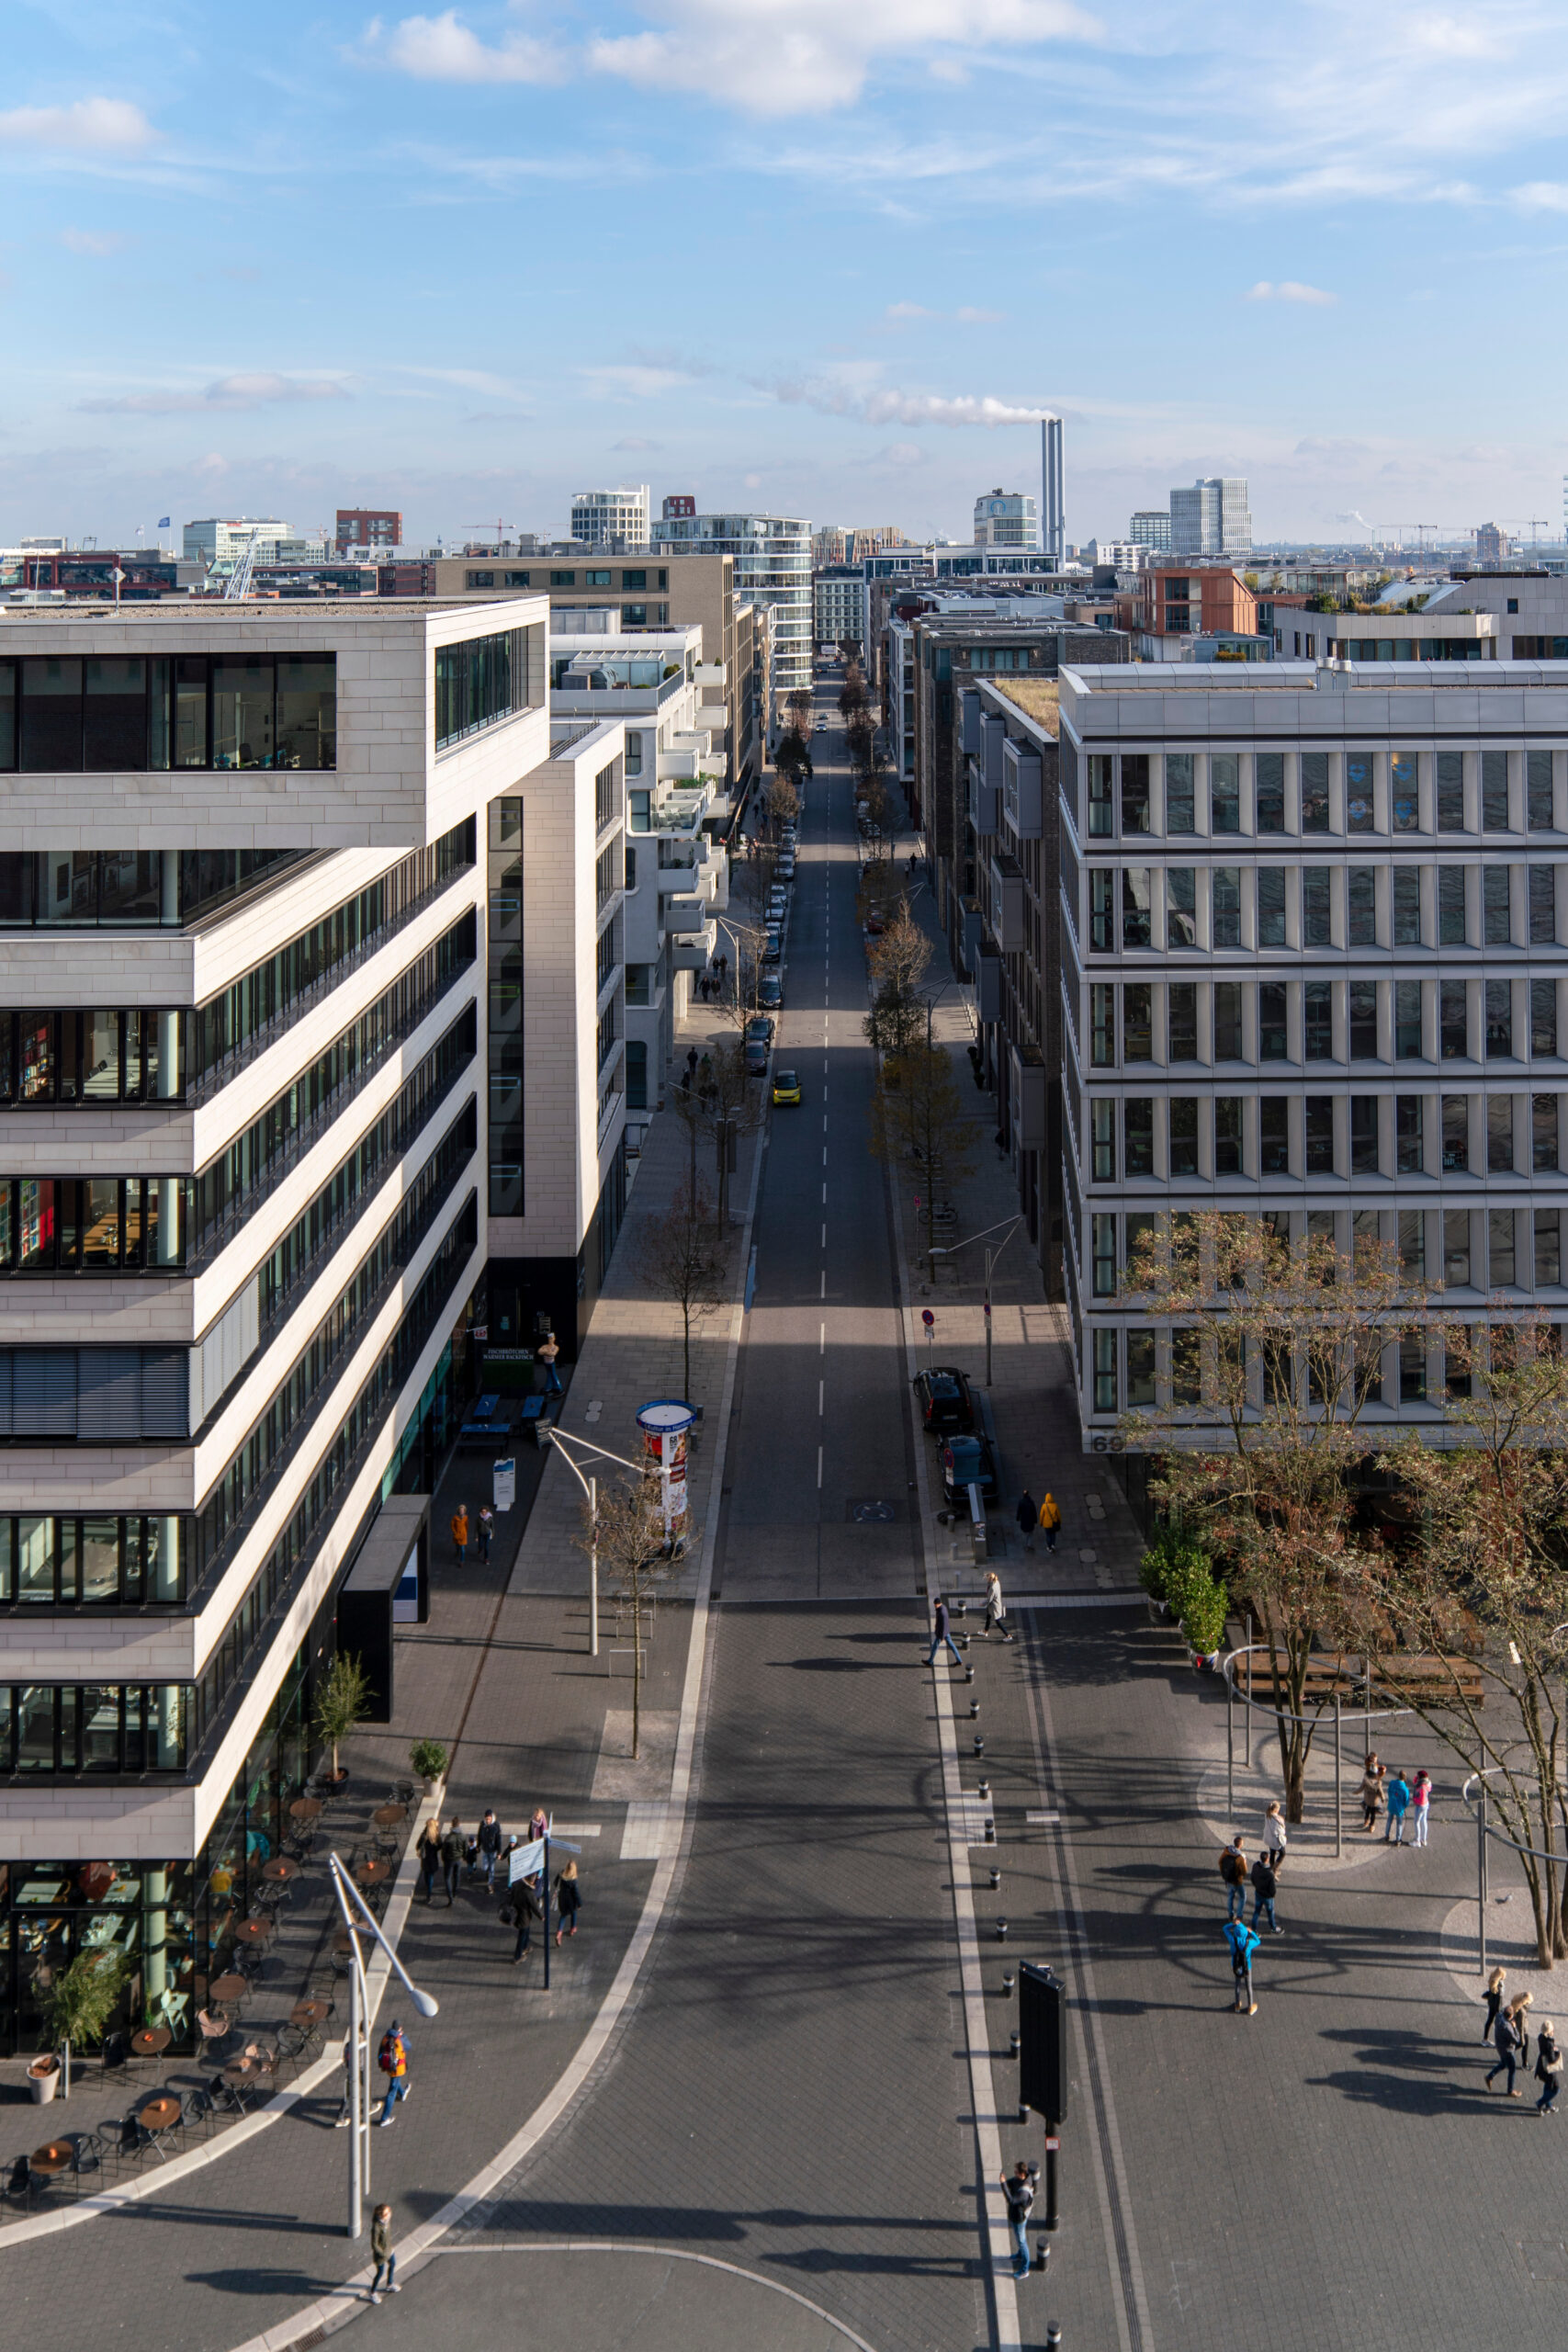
(928, 1318)
(986, 1310)
(1053, 2147)
(506, 1482)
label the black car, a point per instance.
(757, 1043)
(770, 991)
(944, 1401)
(966, 1462)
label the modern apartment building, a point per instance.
(1211, 518)
(838, 598)
(380, 528)
(246, 1113)
(1314, 966)
(1169, 610)
(601, 518)
(1007, 518)
(772, 567)
(219, 539)
(1150, 527)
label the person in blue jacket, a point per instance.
(1398, 1806)
(1243, 1942)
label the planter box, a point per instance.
(43, 2086)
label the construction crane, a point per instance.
(238, 583)
(501, 530)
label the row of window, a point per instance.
(175, 889)
(1322, 1021)
(60, 713)
(505, 1019)
(1178, 1370)
(480, 682)
(91, 1727)
(1461, 1247)
(132, 1561)
(1209, 1137)
(1176, 909)
(1322, 792)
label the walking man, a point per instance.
(1028, 1518)
(1507, 2040)
(1398, 1805)
(460, 1534)
(451, 1860)
(487, 1528)
(548, 1354)
(1243, 1943)
(429, 1852)
(1019, 2190)
(1265, 1886)
(942, 1634)
(1233, 1869)
(382, 2247)
(1051, 1521)
(490, 1848)
(525, 1904)
(1547, 2068)
(394, 2060)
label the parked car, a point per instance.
(786, 1086)
(943, 1400)
(772, 949)
(784, 869)
(757, 1043)
(759, 1026)
(875, 926)
(770, 991)
(967, 1462)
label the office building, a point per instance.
(1052, 482)
(603, 518)
(252, 1083)
(220, 541)
(1312, 964)
(838, 597)
(1150, 528)
(1210, 519)
(380, 528)
(773, 568)
(1006, 518)
(830, 545)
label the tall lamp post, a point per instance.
(991, 1256)
(359, 2100)
(589, 1485)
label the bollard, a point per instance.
(1054, 2338)
(979, 1744)
(968, 1674)
(984, 1787)
(1001, 1931)
(974, 1709)
(990, 1830)
(996, 1879)
(1007, 1981)
(1012, 2052)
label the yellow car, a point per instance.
(786, 1086)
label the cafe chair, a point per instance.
(115, 2053)
(201, 2107)
(87, 2156)
(122, 2141)
(20, 2182)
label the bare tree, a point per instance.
(682, 1263)
(898, 959)
(918, 1115)
(634, 1557)
(784, 801)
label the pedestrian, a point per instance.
(1050, 1520)
(451, 1860)
(1264, 1887)
(1243, 1943)
(1506, 2040)
(524, 1910)
(1522, 2020)
(691, 1073)
(941, 1634)
(1018, 2187)
(428, 1852)
(487, 1528)
(394, 2060)
(995, 1606)
(490, 1848)
(568, 1902)
(1398, 1805)
(382, 2247)
(538, 1823)
(1233, 1869)
(1028, 1518)
(460, 1532)
(1547, 2068)
(1274, 1837)
(1421, 1805)
(548, 1354)
(1372, 1778)
(1495, 1985)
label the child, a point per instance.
(1421, 1805)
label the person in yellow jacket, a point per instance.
(1050, 1520)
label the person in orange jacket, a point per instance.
(460, 1532)
(1050, 1520)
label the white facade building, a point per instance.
(1314, 966)
(1211, 518)
(773, 568)
(837, 596)
(1007, 518)
(602, 516)
(223, 541)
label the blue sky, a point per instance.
(829, 260)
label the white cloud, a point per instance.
(98, 241)
(967, 318)
(779, 56)
(1289, 289)
(887, 405)
(443, 49)
(1542, 196)
(907, 311)
(240, 392)
(98, 126)
(634, 443)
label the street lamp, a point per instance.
(991, 1256)
(590, 1487)
(358, 2060)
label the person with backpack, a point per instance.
(1495, 1985)
(1018, 2187)
(1243, 1943)
(1265, 1886)
(1547, 2068)
(1398, 1806)
(394, 2060)
(1050, 1521)
(1233, 1869)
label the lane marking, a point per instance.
(824, 1199)
(822, 1349)
(818, 1469)
(1035, 1817)
(823, 1292)
(821, 1395)
(824, 1245)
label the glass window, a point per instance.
(1456, 1135)
(1102, 1016)
(1543, 906)
(1494, 901)
(1137, 1026)
(1405, 805)
(1103, 1129)
(1314, 792)
(100, 1555)
(1225, 792)
(1500, 1253)
(307, 711)
(115, 731)
(1227, 1135)
(129, 886)
(1413, 1372)
(1270, 767)
(1101, 823)
(1273, 1036)
(1227, 906)
(51, 714)
(1271, 906)
(479, 683)
(35, 1561)
(1186, 1369)
(1450, 906)
(1538, 791)
(636, 1074)
(1413, 1241)
(1544, 1133)
(1363, 907)
(1363, 1135)
(1320, 1135)
(1455, 1248)
(1318, 1012)
(1316, 931)
(242, 713)
(1363, 1020)
(1495, 792)
(1101, 908)
(1140, 1368)
(98, 1035)
(1135, 792)
(1407, 1020)
(100, 1224)
(1181, 814)
(1548, 1247)
(1137, 929)
(1409, 1140)
(1183, 1135)
(36, 1235)
(1181, 907)
(1499, 1021)
(1105, 1372)
(1406, 907)
(1183, 1007)
(1451, 792)
(1453, 1041)
(1104, 1246)
(1543, 1018)
(1228, 1021)
(190, 711)
(1139, 1115)
(1358, 809)
(1274, 1134)
(35, 1727)
(7, 723)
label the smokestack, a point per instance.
(1055, 534)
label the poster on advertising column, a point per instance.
(666, 1430)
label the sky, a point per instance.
(818, 260)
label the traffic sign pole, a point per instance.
(929, 1319)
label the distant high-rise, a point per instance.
(1211, 519)
(1150, 527)
(682, 504)
(1051, 459)
(368, 526)
(218, 538)
(1492, 545)
(772, 571)
(599, 517)
(1006, 518)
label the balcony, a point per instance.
(1027, 1091)
(1008, 923)
(693, 950)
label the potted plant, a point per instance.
(82, 2000)
(429, 1761)
(342, 1701)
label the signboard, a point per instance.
(506, 1482)
(928, 1318)
(666, 1426)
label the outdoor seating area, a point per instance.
(1395, 1675)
